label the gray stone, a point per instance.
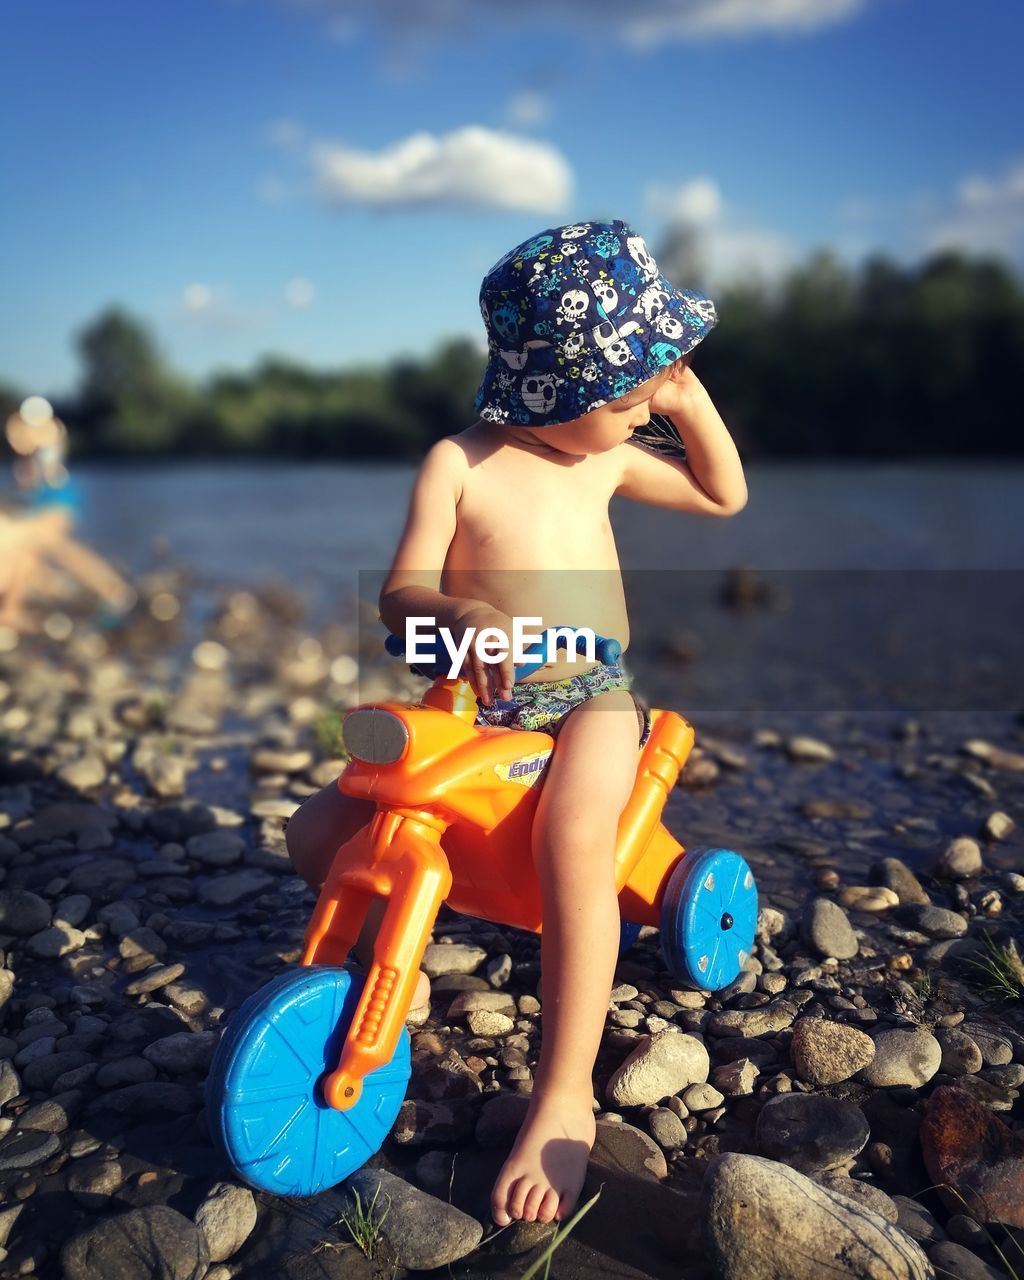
(141, 1101)
(86, 772)
(10, 1081)
(824, 927)
(917, 1221)
(483, 1022)
(216, 848)
(45, 1072)
(936, 922)
(225, 891)
(139, 1245)
(59, 939)
(996, 1049)
(480, 1001)
(421, 1123)
(93, 1181)
(826, 1053)
(960, 1055)
(24, 1149)
(960, 860)
(751, 1023)
(457, 957)
(226, 1219)
(667, 1129)
(153, 979)
(736, 1078)
(121, 1071)
(895, 875)
(182, 1052)
(73, 909)
(625, 1150)
(53, 1115)
(22, 913)
(420, 1231)
(702, 1097)
(864, 1193)
(102, 877)
(658, 1067)
(903, 1056)
(811, 1132)
(60, 821)
(765, 1221)
(951, 1259)
(805, 748)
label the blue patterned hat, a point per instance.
(578, 316)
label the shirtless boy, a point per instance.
(586, 340)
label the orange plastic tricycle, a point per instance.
(310, 1074)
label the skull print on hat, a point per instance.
(577, 316)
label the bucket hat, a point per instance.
(577, 316)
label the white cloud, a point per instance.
(212, 307)
(713, 242)
(472, 167)
(642, 23)
(196, 297)
(299, 292)
(984, 215)
(272, 190)
(285, 133)
(527, 108)
(658, 23)
(697, 201)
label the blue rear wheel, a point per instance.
(708, 918)
(263, 1095)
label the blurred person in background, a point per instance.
(36, 540)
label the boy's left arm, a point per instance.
(711, 480)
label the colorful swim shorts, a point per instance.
(544, 704)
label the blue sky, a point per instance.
(245, 175)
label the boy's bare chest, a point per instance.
(522, 511)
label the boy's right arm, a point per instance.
(411, 588)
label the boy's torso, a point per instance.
(533, 539)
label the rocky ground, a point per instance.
(794, 1125)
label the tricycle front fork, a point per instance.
(396, 856)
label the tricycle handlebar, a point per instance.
(606, 650)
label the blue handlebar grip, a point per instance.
(606, 650)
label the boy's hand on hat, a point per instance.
(673, 396)
(494, 679)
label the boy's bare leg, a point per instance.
(591, 776)
(314, 834)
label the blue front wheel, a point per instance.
(708, 918)
(263, 1094)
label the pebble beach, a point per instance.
(850, 1105)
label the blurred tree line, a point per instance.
(885, 362)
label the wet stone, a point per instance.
(93, 1181)
(153, 979)
(811, 1132)
(155, 1241)
(23, 913)
(26, 1149)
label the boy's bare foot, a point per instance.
(544, 1173)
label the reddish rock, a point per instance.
(965, 1146)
